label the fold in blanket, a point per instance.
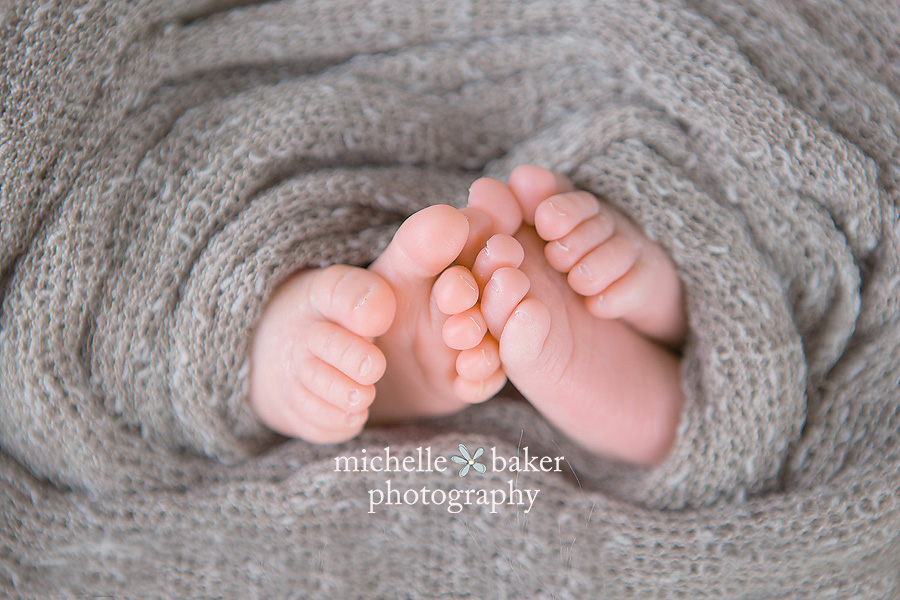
(166, 163)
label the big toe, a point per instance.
(495, 199)
(531, 185)
(426, 243)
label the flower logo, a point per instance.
(468, 461)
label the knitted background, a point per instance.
(163, 164)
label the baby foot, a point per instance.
(608, 388)
(313, 363)
(607, 259)
(316, 363)
(440, 357)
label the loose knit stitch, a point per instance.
(164, 164)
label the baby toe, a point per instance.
(630, 292)
(564, 253)
(525, 335)
(479, 362)
(500, 251)
(474, 392)
(603, 265)
(505, 289)
(355, 298)
(302, 414)
(464, 330)
(480, 229)
(356, 358)
(335, 429)
(455, 290)
(531, 185)
(426, 243)
(560, 214)
(648, 297)
(335, 388)
(496, 200)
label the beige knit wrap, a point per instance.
(163, 164)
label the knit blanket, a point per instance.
(165, 163)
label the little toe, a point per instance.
(638, 299)
(358, 359)
(495, 199)
(479, 362)
(474, 392)
(560, 214)
(464, 330)
(500, 251)
(564, 253)
(531, 185)
(314, 434)
(506, 288)
(426, 243)
(355, 298)
(455, 290)
(627, 294)
(300, 413)
(603, 265)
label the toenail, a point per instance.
(522, 316)
(561, 246)
(469, 282)
(556, 209)
(495, 285)
(352, 418)
(363, 297)
(487, 356)
(354, 398)
(365, 366)
(585, 272)
(477, 326)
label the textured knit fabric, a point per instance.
(164, 164)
